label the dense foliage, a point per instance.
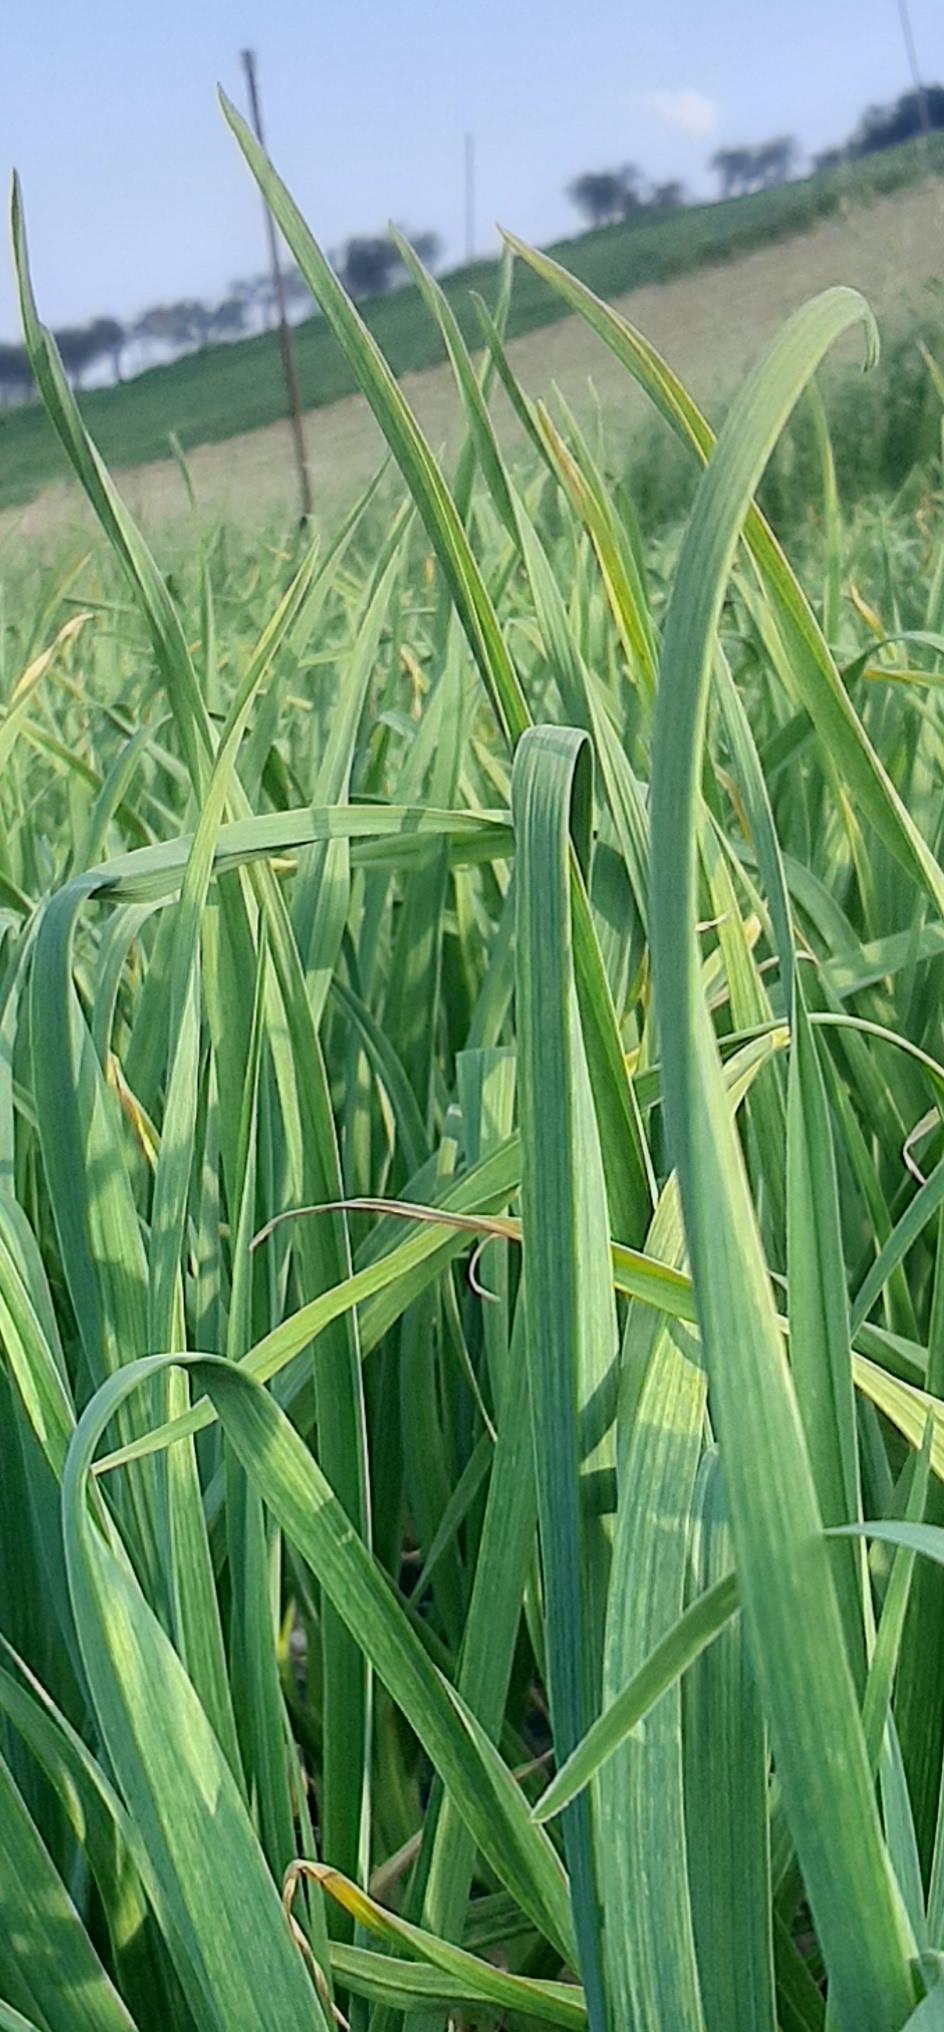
(470, 1239)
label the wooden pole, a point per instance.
(278, 289)
(912, 56)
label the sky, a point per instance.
(135, 193)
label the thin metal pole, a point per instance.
(904, 16)
(278, 288)
(470, 197)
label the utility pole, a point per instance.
(470, 197)
(278, 289)
(911, 53)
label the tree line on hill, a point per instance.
(888, 126)
(369, 264)
(607, 195)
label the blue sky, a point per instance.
(135, 194)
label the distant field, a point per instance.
(710, 324)
(201, 398)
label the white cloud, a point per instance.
(691, 112)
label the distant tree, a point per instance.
(77, 350)
(249, 292)
(257, 295)
(228, 319)
(370, 264)
(773, 161)
(873, 125)
(667, 197)
(264, 298)
(258, 292)
(631, 197)
(108, 337)
(750, 169)
(192, 321)
(733, 168)
(16, 379)
(887, 126)
(297, 293)
(829, 158)
(157, 327)
(175, 327)
(600, 195)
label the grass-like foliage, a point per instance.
(471, 1263)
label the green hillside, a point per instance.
(206, 397)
